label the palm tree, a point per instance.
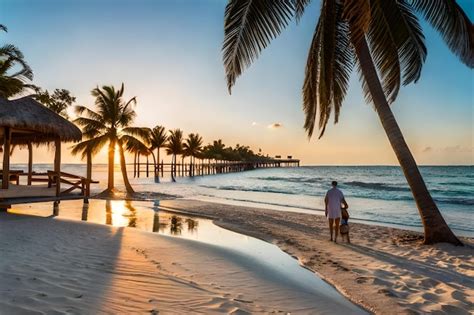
(157, 140)
(192, 148)
(385, 40)
(174, 147)
(110, 124)
(14, 71)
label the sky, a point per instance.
(168, 55)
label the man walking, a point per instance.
(333, 201)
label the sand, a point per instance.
(386, 270)
(57, 266)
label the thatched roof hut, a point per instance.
(25, 121)
(32, 122)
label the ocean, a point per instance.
(376, 194)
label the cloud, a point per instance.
(275, 125)
(254, 123)
(449, 149)
(457, 149)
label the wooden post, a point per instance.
(30, 162)
(138, 165)
(57, 165)
(6, 157)
(147, 168)
(135, 165)
(162, 166)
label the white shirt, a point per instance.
(334, 199)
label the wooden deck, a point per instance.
(18, 194)
(48, 188)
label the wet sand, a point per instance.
(386, 270)
(57, 266)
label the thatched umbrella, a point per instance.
(25, 121)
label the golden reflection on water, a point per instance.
(118, 213)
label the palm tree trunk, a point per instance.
(123, 167)
(435, 227)
(154, 167)
(173, 161)
(110, 185)
(89, 173)
(158, 158)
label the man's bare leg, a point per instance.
(337, 221)
(331, 222)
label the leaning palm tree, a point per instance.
(157, 140)
(174, 147)
(382, 37)
(14, 71)
(110, 124)
(192, 147)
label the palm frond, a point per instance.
(408, 37)
(80, 110)
(448, 18)
(358, 14)
(141, 132)
(158, 137)
(329, 64)
(92, 145)
(384, 50)
(249, 26)
(3, 28)
(133, 144)
(300, 6)
(89, 123)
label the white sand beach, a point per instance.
(385, 269)
(57, 266)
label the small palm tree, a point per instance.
(14, 71)
(110, 124)
(192, 148)
(174, 147)
(383, 37)
(157, 140)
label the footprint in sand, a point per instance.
(451, 309)
(430, 297)
(362, 279)
(386, 292)
(458, 295)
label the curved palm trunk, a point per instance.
(435, 227)
(123, 167)
(173, 163)
(111, 157)
(154, 167)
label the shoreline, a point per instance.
(384, 271)
(381, 293)
(65, 266)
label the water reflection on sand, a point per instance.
(121, 213)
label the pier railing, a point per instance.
(208, 168)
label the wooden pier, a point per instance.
(209, 168)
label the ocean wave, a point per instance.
(265, 203)
(377, 186)
(291, 179)
(240, 188)
(389, 197)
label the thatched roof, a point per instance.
(30, 121)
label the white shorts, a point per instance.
(334, 213)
